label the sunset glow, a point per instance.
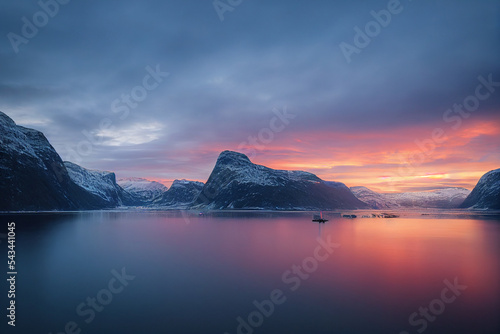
(401, 114)
(389, 161)
(392, 161)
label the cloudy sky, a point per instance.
(394, 96)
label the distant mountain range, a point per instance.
(142, 189)
(446, 198)
(33, 177)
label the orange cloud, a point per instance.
(398, 159)
(395, 160)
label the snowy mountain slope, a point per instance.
(14, 139)
(181, 194)
(142, 189)
(99, 183)
(374, 199)
(486, 193)
(445, 198)
(33, 177)
(32, 174)
(237, 183)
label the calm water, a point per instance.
(199, 274)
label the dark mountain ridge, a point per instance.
(237, 183)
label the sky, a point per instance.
(393, 95)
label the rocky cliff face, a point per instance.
(486, 194)
(99, 183)
(237, 183)
(33, 176)
(181, 194)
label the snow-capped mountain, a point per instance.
(237, 183)
(32, 174)
(374, 199)
(99, 183)
(445, 198)
(486, 193)
(142, 189)
(33, 177)
(180, 195)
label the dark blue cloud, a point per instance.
(226, 77)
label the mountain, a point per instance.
(142, 189)
(33, 176)
(446, 198)
(486, 193)
(374, 199)
(99, 183)
(181, 194)
(237, 183)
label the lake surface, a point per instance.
(172, 272)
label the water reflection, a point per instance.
(199, 273)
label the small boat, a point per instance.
(319, 218)
(349, 216)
